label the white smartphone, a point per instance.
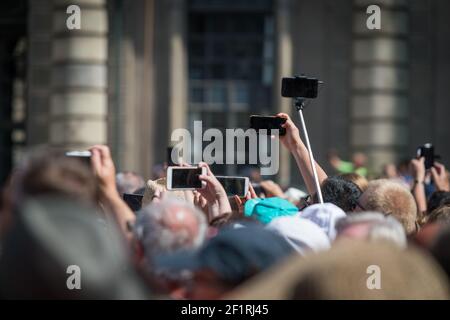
(185, 178)
(234, 185)
(83, 156)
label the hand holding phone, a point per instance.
(215, 195)
(440, 177)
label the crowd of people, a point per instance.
(371, 239)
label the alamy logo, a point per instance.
(74, 280)
(74, 20)
(374, 280)
(374, 20)
(263, 147)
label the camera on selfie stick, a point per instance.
(301, 88)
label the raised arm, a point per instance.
(295, 145)
(105, 172)
(418, 188)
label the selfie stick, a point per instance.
(300, 105)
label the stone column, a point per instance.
(379, 110)
(178, 78)
(283, 65)
(39, 71)
(78, 104)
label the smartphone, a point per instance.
(268, 122)
(299, 87)
(83, 156)
(234, 186)
(185, 178)
(427, 151)
(134, 201)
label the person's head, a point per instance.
(168, 226)
(373, 227)
(227, 260)
(438, 199)
(350, 270)
(390, 171)
(303, 235)
(325, 216)
(129, 182)
(255, 175)
(265, 209)
(359, 159)
(340, 192)
(357, 179)
(441, 250)
(404, 168)
(56, 244)
(156, 189)
(49, 172)
(440, 215)
(362, 270)
(391, 198)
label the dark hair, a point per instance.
(440, 215)
(441, 250)
(438, 199)
(341, 192)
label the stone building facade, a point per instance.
(138, 69)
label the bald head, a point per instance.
(168, 226)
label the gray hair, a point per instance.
(153, 229)
(129, 182)
(381, 227)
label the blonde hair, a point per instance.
(392, 198)
(357, 179)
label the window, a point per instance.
(231, 53)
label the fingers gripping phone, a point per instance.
(185, 178)
(268, 123)
(234, 186)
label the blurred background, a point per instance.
(136, 70)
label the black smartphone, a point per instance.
(268, 123)
(134, 201)
(299, 87)
(427, 151)
(185, 178)
(82, 156)
(234, 186)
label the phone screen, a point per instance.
(134, 201)
(186, 178)
(301, 87)
(233, 185)
(268, 123)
